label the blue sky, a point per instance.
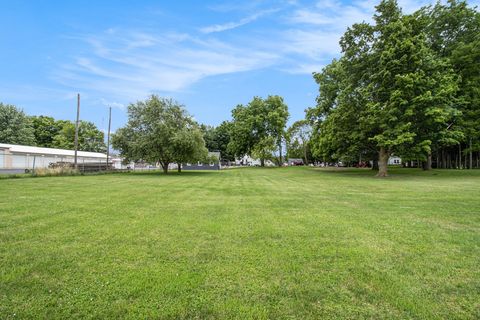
(208, 55)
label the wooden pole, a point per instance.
(108, 134)
(76, 131)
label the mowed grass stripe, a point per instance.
(242, 243)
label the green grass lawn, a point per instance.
(287, 243)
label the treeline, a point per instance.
(406, 85)
(18, 128)
(259, 129)
(161, 131)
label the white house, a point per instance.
(394, 160)
(18, 158)
(246, 160)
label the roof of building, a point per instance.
(50, 151)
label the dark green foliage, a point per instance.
(45, 129)
(159, 131)
(389, 93)
(298, 141)
(15, 126)
(89, 137)
(218, 138)
(259, 128)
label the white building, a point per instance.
(394, 160)
(246, 160)
(18, 158)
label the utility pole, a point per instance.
(76, 130)
(108, 134)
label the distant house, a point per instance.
(214, 164)
(17, 158)
(394, 160)
(246, 160)
(295, 162)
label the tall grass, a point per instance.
(50, 172)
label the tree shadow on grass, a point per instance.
(160, 173)
(395, 173)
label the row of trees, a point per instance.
(407, 85)
(18, 128)
(161, 131)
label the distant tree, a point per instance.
(254, 124)
(222, 138)
(90, 138)
(209, 136)
(390, 91)
(453, 32)
(45, 129)
(65, 138)
(264, 149)
(15, 126)
(218, 138)
(188, 145)
(298, 140)
(159, 131)
(277, 121)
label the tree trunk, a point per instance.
(280, 149)
(382, 162)
(427, 165)
(164, 167)
(459, 156)
(179, 167)
(471, 155)
(305, 153)
(262, 162)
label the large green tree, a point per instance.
(90, 138)
(188, 145)
(257, 125)
(298, 140)
(15, 126)
(218, 138)
(389, 91)
(453, 32)
(159, 131)
(45, 129)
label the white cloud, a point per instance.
(131, 65)
(112, 104)
(236, 24)
(314, 31)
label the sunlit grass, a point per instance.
(245, 243)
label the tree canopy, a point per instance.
(389, 93)
(15, 126)
(160, 131)
(218, 138)
(259, 128)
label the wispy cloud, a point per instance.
(236, 24)
(112, 104)
(314, 32)
(132, 64)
